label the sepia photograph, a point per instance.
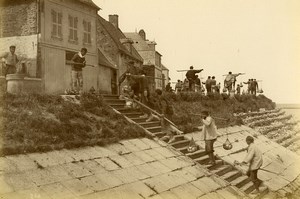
(149, 99)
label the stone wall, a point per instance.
(18, 18)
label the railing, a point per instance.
(158, 114)
(151, 135)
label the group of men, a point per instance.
(253, 157)
(193, 83)
(78, 63)
(252, 86)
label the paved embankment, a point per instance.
(138, 168)
(280, 167)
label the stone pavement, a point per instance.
(137, 168)
(281, 166)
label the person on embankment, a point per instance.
(255, 161)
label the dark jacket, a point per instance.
(80, 60)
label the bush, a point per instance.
(39, 123)
(219, 105)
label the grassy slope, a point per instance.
(34, 122)
(219, 106)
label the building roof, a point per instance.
(89, 3)
(103, 60)
(163, 67)
(116, 34)
(139, 43)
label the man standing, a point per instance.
(210, 135)
(11, 60)
(218, 87)
(249, 86)
(213, 84)
(252, 86)
(77, 77)
(197, 84)
(238, 90)
(168, 88)
(208, 84)
(254, 158)
(190, 75)
(255, 86)
(230, 80)
(178, 86)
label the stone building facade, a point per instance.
(48, 33)
(118, 47)
(152, 58)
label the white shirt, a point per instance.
(254, 157)
(209, 128)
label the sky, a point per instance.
(258, 37)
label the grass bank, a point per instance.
(219, 105)
(38, 123)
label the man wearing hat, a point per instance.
(11, 60)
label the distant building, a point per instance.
(117, 47)
(165, 76)
(152, 58)
(48, 33)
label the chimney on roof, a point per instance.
(151, 45)
(127, 42)
(114, 19)
(142, 34)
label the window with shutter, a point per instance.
(56, 18)
(87, 30)
(73, 21)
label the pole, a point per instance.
(186, 70)
(234, 74)
(71, 63)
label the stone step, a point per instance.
(115, 101)
(133, 114)
(232, 175)
(139, 120)
(263, 190)
(248, 187)
(211, 167)
(149, 124)
(196, 154)
(202, 160)
(183, 149)
(282, 138)
(240, 181)
(117, 106)
(178, 137)
(154, 129)
(126, 110)
(222, 169)
(180, 144)
(107, 97)
(159, 134)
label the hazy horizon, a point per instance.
(259, 38)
